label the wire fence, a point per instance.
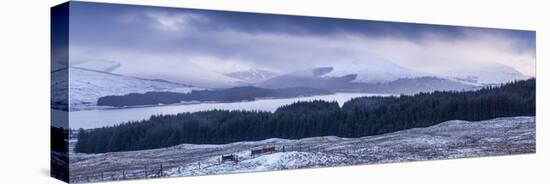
(162, 169)
(147, 171)
(172, 168)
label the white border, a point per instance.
(25, 90)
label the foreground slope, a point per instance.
(450, 139)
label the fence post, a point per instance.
(123, 174)
(199, 165)
(161, 170)
(145, 166)
(102, 176)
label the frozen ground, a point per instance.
(451, 139)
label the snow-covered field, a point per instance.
(451, 139)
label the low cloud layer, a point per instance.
(174, 44)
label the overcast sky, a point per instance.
(170, 40)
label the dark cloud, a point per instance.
(280, 41)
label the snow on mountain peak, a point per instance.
(485, 73)
(373, 70)
(252, 75)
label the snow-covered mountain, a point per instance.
(59, 87)
(484, 74)
(323, 78)
(417, 85)
(102, 65)
(252, 75)
(86, 86)
(373, 70)
(313, 78)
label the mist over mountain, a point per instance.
(323, 78)
(252, 75)
(338, 75)
(373, 70)
(313, 78)
(485, 74)
(371, 74)
(416, 85)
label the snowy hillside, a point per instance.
(59, 88)
(485, 74)
(97, 65)
(252, 75)
(451, 139)
(373, 70)
(417, 85)
(86, 86)
(379, 70)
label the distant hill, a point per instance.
(484, 74)
(310, 78)
(86, 86)
(252, 75)
(416, 85)
(373, 70)
(319, 78)
(235, 94)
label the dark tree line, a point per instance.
(235, 94)
(358, 117)
(59, 139)
(59, 153)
